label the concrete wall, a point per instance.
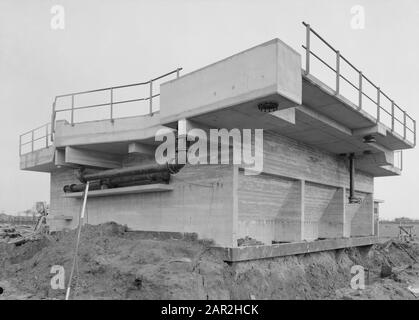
(302, 196)
(201, 202)
(267, 69)
(360, 216)
(269, 208)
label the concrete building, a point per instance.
(321, 153)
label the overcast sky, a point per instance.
(107, 43)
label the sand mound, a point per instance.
(117, 264)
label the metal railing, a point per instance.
(398, 159)
(111, 102)
(380, 110)
(35, 139)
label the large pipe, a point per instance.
(136, 170)
(352, 198)
(121, 181)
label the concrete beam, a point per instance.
(287, 249)
(376, 159)
(286, 115)
(92, 158)
(59, 159)
(186, 125)
(326, 120)
(377, 129)
(141, 148)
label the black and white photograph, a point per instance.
(209, 156)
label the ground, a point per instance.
(117, 264)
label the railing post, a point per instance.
(177, 72)
(20, 145)
(378, 103)
(337, 71)
(360, 90)
(151, 97)
(32, 140)
(414, 132)
(404, 125)
(72, 109)
(392, 115)
(401, 160)
(46, 135)
(53, 120)
(111, 105)
(307, 49)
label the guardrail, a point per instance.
(35, 139)
(398, 159)
(377, 100)
(111, 102)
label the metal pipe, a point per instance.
(392, 115)
(107, 183)
(308, 48)
(337, 71)
(111, 91)
(151, 97)
(351, 176)
(72, 110)
(136, 170)
(378, 103)
(360, 90)
(32, 140)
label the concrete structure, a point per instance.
(304, 192)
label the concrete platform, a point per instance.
(279, 250)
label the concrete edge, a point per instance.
(238, 254)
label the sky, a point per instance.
(106, 43)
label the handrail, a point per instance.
(47, 135)
(361, 92)
(111, 102)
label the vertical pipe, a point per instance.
(111, 105)
(378, 103)
(351, 177)
(72, 109)
(308, 49)
(404, 124)
(337, 71)
(392, 115)
(360, 90)
(151, 97)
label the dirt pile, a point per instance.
(116, 264)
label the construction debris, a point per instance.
(16, 234)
